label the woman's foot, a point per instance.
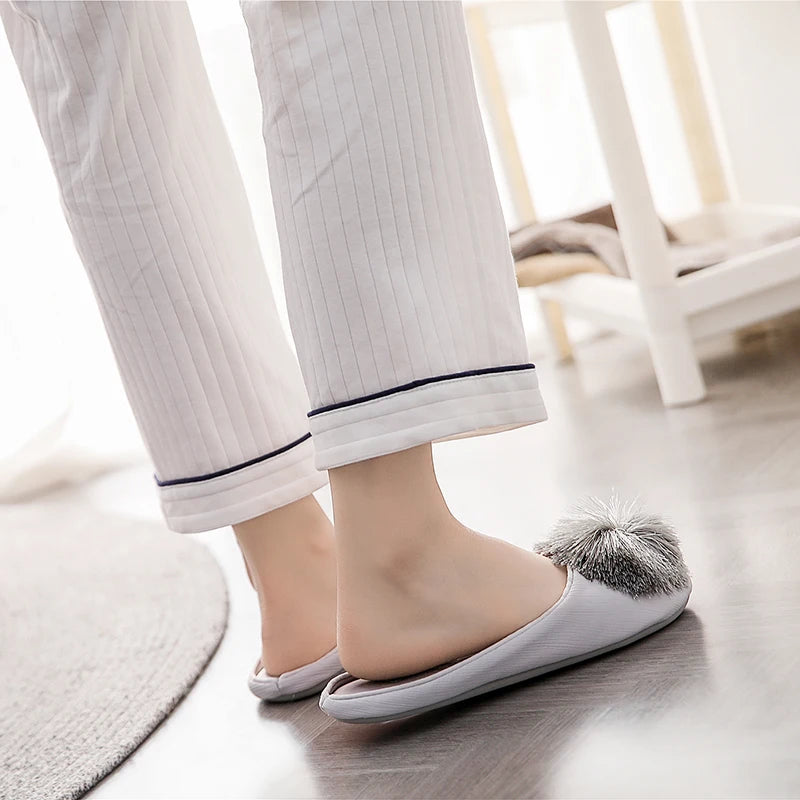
(627, 579)
(416, 588)
(291, 560)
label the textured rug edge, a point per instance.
(164, 712)
(164, 612)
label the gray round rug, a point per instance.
(105, 624)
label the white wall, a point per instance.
(752, 64)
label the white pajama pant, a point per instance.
(398, 276)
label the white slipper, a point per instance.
(296, 684)
(626, 579)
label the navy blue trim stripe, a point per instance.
(228, 470)
(470, 373)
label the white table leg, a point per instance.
(643, 239)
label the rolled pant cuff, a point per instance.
(443, 407)
(199, 504)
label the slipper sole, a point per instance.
(513, 679)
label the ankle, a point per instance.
(290, 555)
(281, 526)
(291, 558)
(389, 511)
(277, 543)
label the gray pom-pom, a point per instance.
(619, 544)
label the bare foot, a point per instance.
(416, 588)
(291, 561)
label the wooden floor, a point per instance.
(710, 707)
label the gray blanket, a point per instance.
(603, 241)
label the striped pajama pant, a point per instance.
(398, 276)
